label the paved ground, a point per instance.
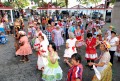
(13, 70)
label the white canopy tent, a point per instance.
(2, 7)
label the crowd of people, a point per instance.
(46, 35)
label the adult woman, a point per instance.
(79, 36)
(118, 49)
(114, 41)
(104, 65)
(70, 46)
(99, 32)
(25, 48)
(91, 53)
(21, 23)
(58, 39)
(17, 24)
(52, 71)
(17, 38)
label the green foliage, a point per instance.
(20, 3)
(61, 4)
(89, 1)
(34, 7)
(6, 3)
(113, 1)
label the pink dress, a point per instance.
(26, 48)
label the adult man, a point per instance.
(48, 33)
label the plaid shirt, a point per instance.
(48, 34)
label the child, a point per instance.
(52, 71)
(91, 44)
(76, 68)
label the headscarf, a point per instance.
(22, 33)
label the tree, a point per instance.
(61, 4)
(6, 3)
(39, 2)
(66, 3)
(20, 3)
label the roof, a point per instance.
(101, 6)
(79, 7)
(3, 7)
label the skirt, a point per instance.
(91, 56)
(58, 41)
(41, 62)
(69, 52)
(117, 54)
(106, 74)
(24, 50)
(52, 74)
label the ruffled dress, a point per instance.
(52, 72)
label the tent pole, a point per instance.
(11, 16)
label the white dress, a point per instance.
(72, 49)
(43, 46)
(42, 59)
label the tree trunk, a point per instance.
(116, 16)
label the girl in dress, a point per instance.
(91, 53)
(53, 71)
(58, 39)
(25, 48)
(70, 46)
(42, 51)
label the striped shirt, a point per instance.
(75, 73)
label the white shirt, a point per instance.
(109, 33)
(112, 43)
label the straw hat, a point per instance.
(106, 44)
(110, 26)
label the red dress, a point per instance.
(91, 53)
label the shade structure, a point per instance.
(3, 7)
